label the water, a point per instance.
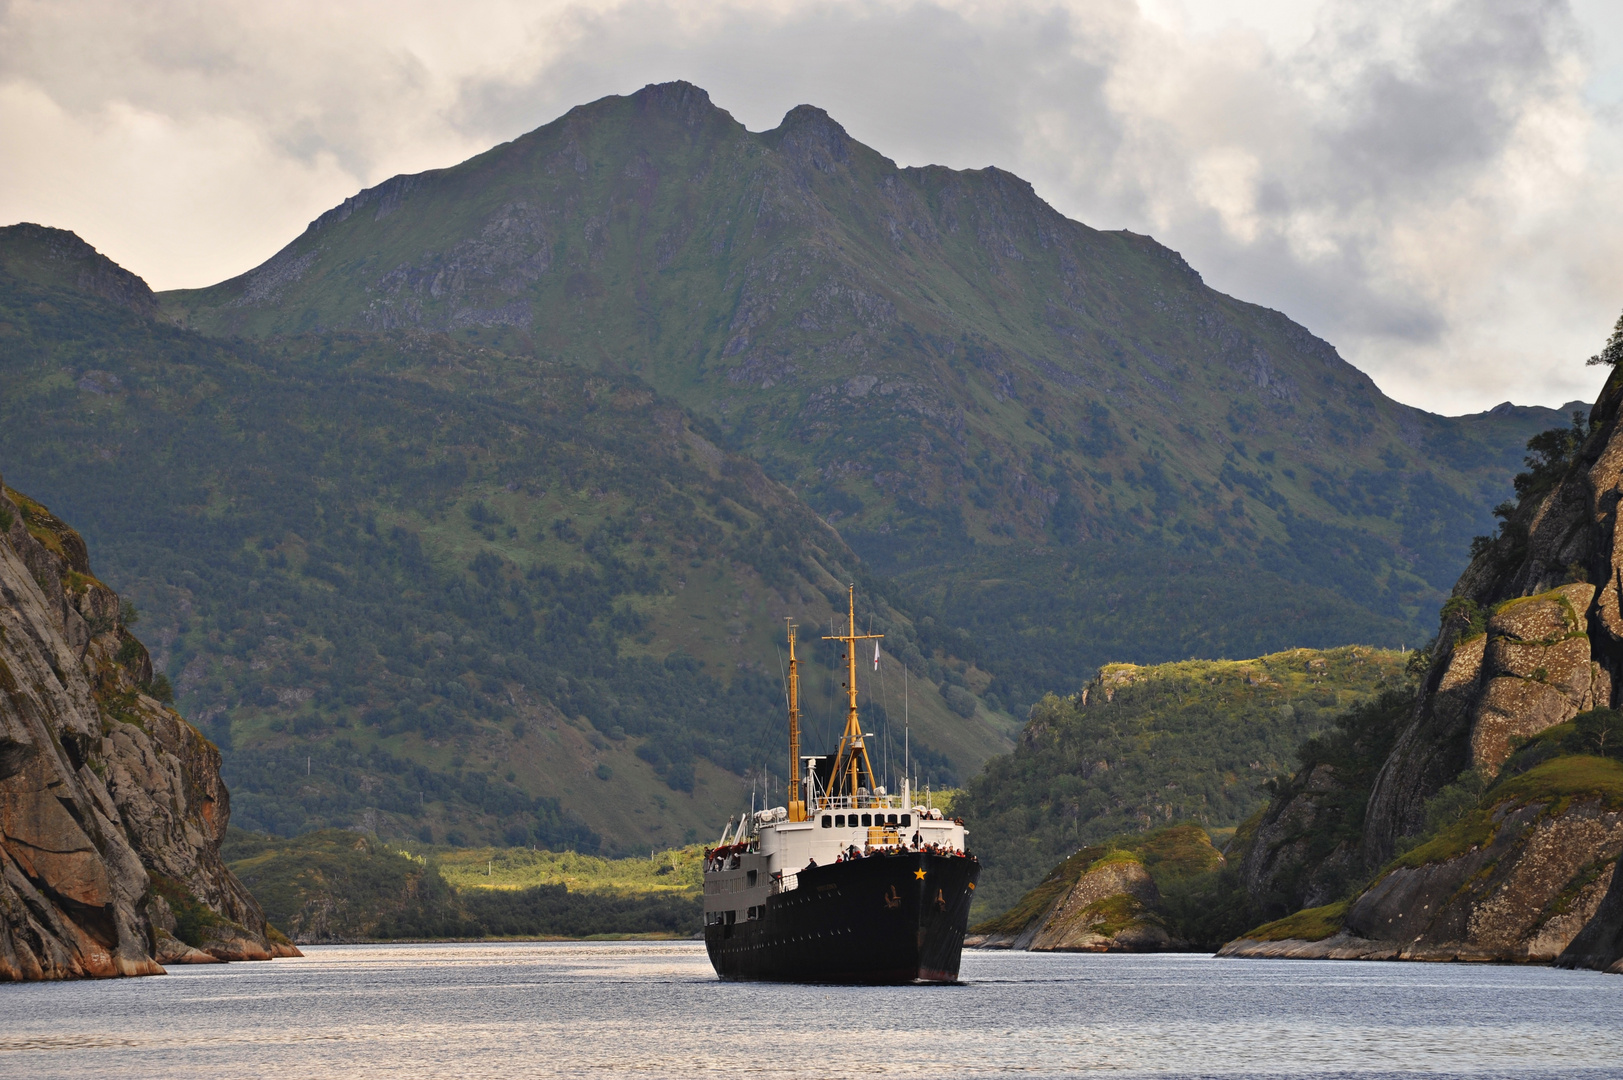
(655, 1009)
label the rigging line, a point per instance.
(884, 696)
(783, 675)
(884, 700)
(831, 737)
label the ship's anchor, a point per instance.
(893, 899)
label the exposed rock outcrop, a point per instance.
(1599, 945)
(1290, 867)
(111, 806)
(1104, 898)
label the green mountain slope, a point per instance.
(1058, 439)
(414, 584)
(1140, 747)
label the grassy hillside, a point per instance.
(423, 587)
(678, 870)
(1054, 436)
(336, 885)
(1141, 747)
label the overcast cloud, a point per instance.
(1435, 187)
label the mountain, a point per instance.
(421, 586)
(472, 515)
(1484, 820)
(1140, 747)
(111, 805)
(1058, 440)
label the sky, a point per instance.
(1434, 187)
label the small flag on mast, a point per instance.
(876, 656)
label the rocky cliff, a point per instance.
(111, 806)
(1493, 826)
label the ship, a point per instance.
(848, 883)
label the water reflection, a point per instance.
(655, 1009)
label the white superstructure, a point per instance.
(762, 855)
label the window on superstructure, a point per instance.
(867, 819)
(839, 821)
(827, 821)
(907, 819)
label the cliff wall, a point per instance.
(111, 806)
(1492, 828)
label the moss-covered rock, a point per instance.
(1106, 897)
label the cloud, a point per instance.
(1433, 186)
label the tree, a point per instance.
(1612, 354)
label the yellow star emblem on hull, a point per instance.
(919, 874)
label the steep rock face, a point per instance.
(1552, 646)
(1525, 881)
(111, 806)
(1599, 945)
(1304, 849)
(1535, 672)
(1532, 639)
(1286, 866)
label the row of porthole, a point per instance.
(838, 821)
(788, 941)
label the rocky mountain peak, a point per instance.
(59, 257)
(812, 138)
(682, 98)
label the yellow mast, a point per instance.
(797, 805)
(848, 770)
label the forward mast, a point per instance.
(851, 762)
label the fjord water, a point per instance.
(655, 1009)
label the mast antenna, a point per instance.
(907, 729)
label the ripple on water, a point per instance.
(655, 1009)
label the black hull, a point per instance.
(874, 920)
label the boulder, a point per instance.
(1536, 671)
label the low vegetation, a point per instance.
(1309, 924)
(678, 870)
(335, 885)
